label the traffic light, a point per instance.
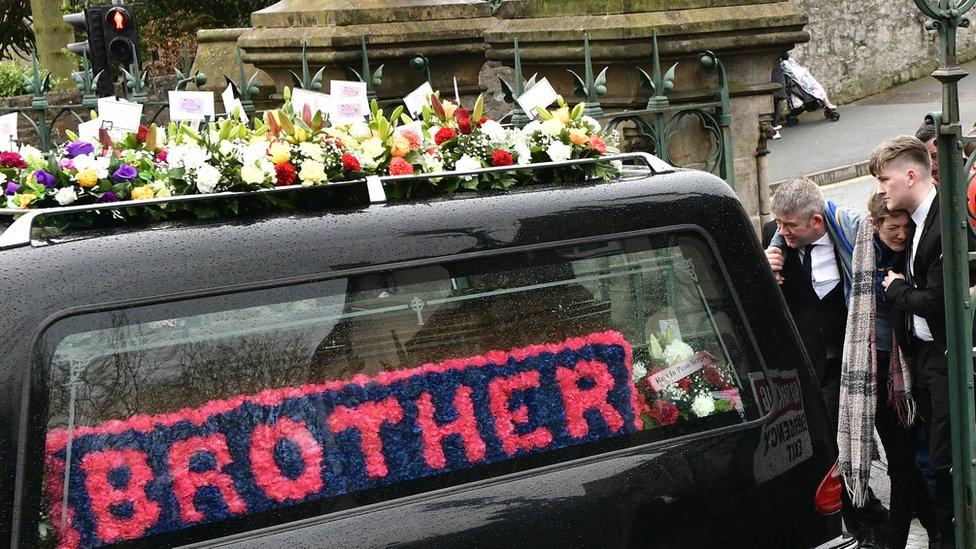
(113, 38)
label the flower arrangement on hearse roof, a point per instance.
(679, 384)
(285, 147)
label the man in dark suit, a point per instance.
(902, 167)
(810, 247)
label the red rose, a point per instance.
(12, 160)
(501, 157)
(464, 125)
(461, 113)
(399, 166)
(444, 134)
(664, 413)
(350, 163)
(685, 384)
(162, 155)
(285, 173)
(483, 120)
(142, 134)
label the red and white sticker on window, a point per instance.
(785, 439)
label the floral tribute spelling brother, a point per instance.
(151, 474)
(300, 148)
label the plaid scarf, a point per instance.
(858, 381)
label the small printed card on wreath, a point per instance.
(231, 103)
(681, 370)
(349, 103)
(119, 114)
(88, 131)
(419, 97)
(194, 106)
(8, 132)
(316, 101)
(541, 94)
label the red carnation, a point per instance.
(501, 157)
(285, 173)
(399, 166)
(12, 160)
(142, 134)
(664, 413)
(350, 163)
(685, 384)
(483, 120)
(464, 125)
(444, 134)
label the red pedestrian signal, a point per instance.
(118, 19)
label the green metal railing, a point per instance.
(946, 17)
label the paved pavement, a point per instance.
(853, 194)
(816, 144)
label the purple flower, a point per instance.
(125, 173)
(45, 179)
(109, 196)
(12, 188)
(76, 148)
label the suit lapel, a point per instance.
(928, 233)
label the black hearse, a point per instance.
(602, 364)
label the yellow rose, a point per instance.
(577, 136)
(374, 147)
(87, 178)
(24, 199)
(562, 113)
(279, 152)
(401, 146)
(142, 193)
(449, 109)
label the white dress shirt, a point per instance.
(824, 272)
(920, 325)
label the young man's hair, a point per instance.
(925, 132)
(798, 196)
(879, 210)
(904, 148)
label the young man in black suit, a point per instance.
(810, 247)
(902, 168)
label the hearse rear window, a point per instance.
(169, 416)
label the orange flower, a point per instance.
(578, 137)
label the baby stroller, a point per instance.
(801, 92)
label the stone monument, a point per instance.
(449, 33)
(747, 35)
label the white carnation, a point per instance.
(552, 127)
(310, 151)
(676, 351)
(252, 174)
(433, 163)
(703, 405)
(591, 123)
(524, 153)
(360, 131)
(207, 178)
(31, 155)
(558, 151)
(640, 371)
(65, 196)
(494, 131)
(226, 148)
(187, 156)
(467, 163)
(531, 128)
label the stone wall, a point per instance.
(858, 48)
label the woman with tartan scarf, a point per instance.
(876, 381)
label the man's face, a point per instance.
(894, 184)
(799, 231)
(893, 231)
(934, 155)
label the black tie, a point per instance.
(808, 262)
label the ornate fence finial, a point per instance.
(590, 88)
(420, 63)
(372, 79)
(511, 92)
(136, 79)
(659, 85)
(307, 81)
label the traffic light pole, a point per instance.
(947, 17)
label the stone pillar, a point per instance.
(747, 35)
(448, 32)
(217, 57)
